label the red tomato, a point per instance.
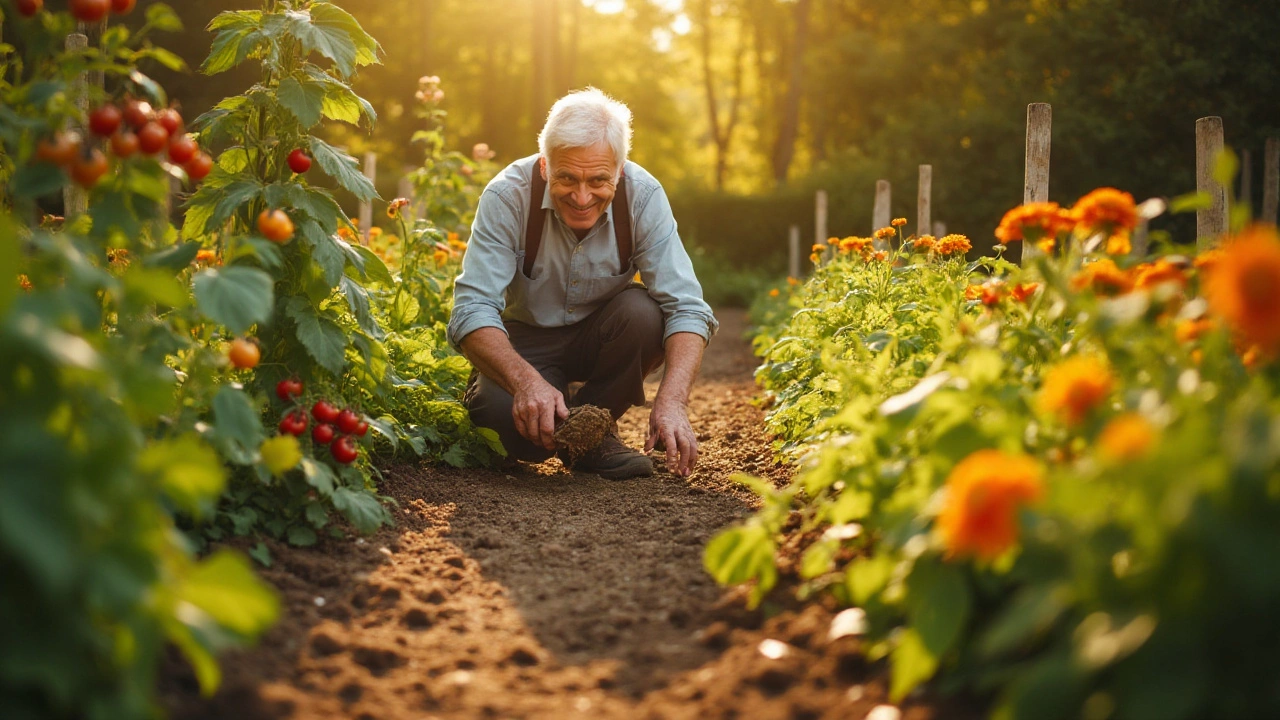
(199, 166)
(89, 10)
(347, 421)
(152, 138)
(322, 434)
(61, 149)
(286, 389)
(105, 120)
(244, 354)
(362, 428)
(345, 450)
(295, 423)
(124, 144)
(137, 113)
(170, 120)
(324, 411)
(275, 226)
(299, 161)
(88, 169)
(122, 7)
(27, 8)
(182, 149)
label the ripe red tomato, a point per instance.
(286, 389)
(324, 411)
(322, 434)
(362, 428)
(295, 423)
(182, 149)
(299, 161)
(105, 120)
(244, 354)
(152, 138)
(122, 7)
(124, 144)
(88, 169)
(28, 8)
(199, 166)
(275, 226)
(170, 120)
(345, 450)
(89, 10)
(137, 113)
(61, 149)
(347, 421)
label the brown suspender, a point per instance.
(621, 211)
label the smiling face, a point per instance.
(582, 181)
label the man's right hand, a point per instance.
(537, 405)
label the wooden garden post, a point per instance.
(880, 211)
(366, 208)
(1211, 222)
(939, 229)
(75, 200)
(1035, 187)
(923, 200)
(1271, 180)
(793, 241)
(820, 218)
(1246, 181)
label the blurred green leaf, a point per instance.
(188, 471)
(226, 588)
(238, 297)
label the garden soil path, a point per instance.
(539, 593)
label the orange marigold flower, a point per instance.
(814, 258)
(346, 234)
(1033, 222)
(1149, 275)
(1075, 387)
(984, 493)
(1106, 210)
(885, 233)
(953, 245)
(898, 222)
(924, 243)
(833, 241)
(1206, 261)
(375, 233)
(1244, 288)
(855, 244)
(818, 249)
(207, 257)
(792, 281)
(24, 282)
(774, 292)
(1255, 357)
(1187, 331)
(1023, 291)
(1103, 277)
(440, 256)
(1118, 243)
(395, 206)
(1126, 438)
(880, 255)
(973, 292)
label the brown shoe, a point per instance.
(614, 461)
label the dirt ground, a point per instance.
(539, 593)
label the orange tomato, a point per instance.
(244, 354)
(275, 226)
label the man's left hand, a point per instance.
(669, 423)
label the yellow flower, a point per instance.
(1244, 287)
(440, 256)
(898, 222)
(1075, 387)
(375, 233)
(984, 493)
(953, 245)
(1103, 277)
(814, 258)
(1126, 438)
(452, 238)
(1033, 222)
(24, 282)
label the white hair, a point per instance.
(587, 118)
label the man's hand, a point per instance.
(535, 408)
(669, 423)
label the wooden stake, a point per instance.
(1211, 222)
(1140, 240)
(1035, 186)
(1246, 180)
(366, 208)
(880, 212)
(939, 229)
(820, 218)
(75, 200)
(1271, 180)
(924, 200)
(793, 240)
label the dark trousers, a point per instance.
(611, 352)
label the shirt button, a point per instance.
(574, 283)
(571, 310)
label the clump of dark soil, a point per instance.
(582, 431)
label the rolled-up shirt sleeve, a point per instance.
(667, 271)
(488, 267)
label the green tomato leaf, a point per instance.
(236, 422)
(319, 476)
(304, 99)
(176, 257)
(912, 664)
(225, 587)
(162, 17)
(237, 297)
(344, 169)
(187, 470)
(323, 339)
(38, 180)
(938, 603)
(358, 300)
(361, 508)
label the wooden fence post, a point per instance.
(1211, 222)
(1246, 181)
(1271, 180)
(1035, 187)
(1140, 240)
(880, 211)
(75, 200)
(366, 208)
(793, 241)
(939, 229)
(820, 217)
(924, 199)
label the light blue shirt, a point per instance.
(571, 278)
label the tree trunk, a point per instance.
(543, 56)
(721, 136)
(569, 60)
(789, 126)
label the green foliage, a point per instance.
(1138, 580)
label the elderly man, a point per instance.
(547, 295)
